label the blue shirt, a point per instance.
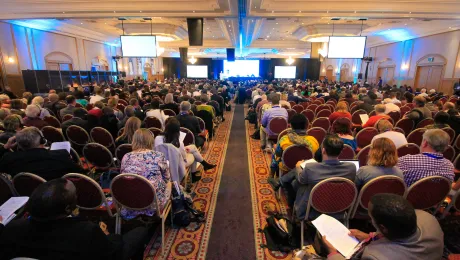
(275, 111)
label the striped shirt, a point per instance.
(419, 166)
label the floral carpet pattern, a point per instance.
(263, 197)
(188, 243)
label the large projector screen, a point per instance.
(285, 72)
(197, 71)
(138, 46)
(241, 68)
(343, 47)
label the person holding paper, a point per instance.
(379, 114)
(402, 233)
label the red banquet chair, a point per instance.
(428, 192)
(364, 137)
(52, 134)
(169, 112)
(90, 198)
(98, 156)
(324, 113)
(409, 148)
(152, 121)
(292, 103)
(451, 133)
(332, 195)
(52, 121)
(102, 136)
(318, 133)
(383, 184)
(298, 108)
(122, 150)
(405, 124)
(189, 137)
(318, 102)
(291, 113)
(78, 137)
(312, 107)
(355, 118)
(277, 125)
(425, 122)
(6, 190)
(155, 131)
(25, 183)
(322, 122)
(120, 131)
(399, 130)
(363, 155)
(449, 153)
(322, 107)
(395, 115)
(347, 153)
(283, 133)
(309, 114)
(405, 109)
(132, 191)
(455, 203)
(67, 117)
(305, 104)
(123, 102)
(416, 136)
(372, 113)
(294, 154)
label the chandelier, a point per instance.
(192, 60)
(290, 60)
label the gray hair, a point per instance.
(437, 139)
(169, 98)
(129, 111)
(38, 101)
(28, 138)
(387, 101)
(33, 111)
(185, 106)
(53, 97)
(380, 108)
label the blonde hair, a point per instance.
(143, 139)
(383, 153)
(131, 126)
(169, 98)
(341, 107)
(38, 101)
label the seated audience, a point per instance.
(441, 120)
(382, 162)
(390, 106)
(54, 105)
(146, 162)
(80, 96)
(349, 98)
(342, 128)
(379, 114)
(283, 102)
(99, 96)
(16, 107)
(341, 110)
(155, 111)
(78, 119)
(299, 182)
(71, 106)
(129, 112)
(385, 129)
(109, 121)
(53, 231)
(190, 122)
(97, 109)
(402, 232)
(274, 111)
(369, 102)
(4, 112)
(447, 106)
(295, 136)
(5, 101)
(137, 108)
(204, 98)
(39, 101)
(170, 104)
(112, 103)
(33, 117)
(12, 124)
(430, 162)
(131, 126)
(394, 99)
(420, 111)
(34, 158)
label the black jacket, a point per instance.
(74, 121)
(42, 162)
(190, 122)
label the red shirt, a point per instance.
(374, 119)
(336, 115)
(95, 112)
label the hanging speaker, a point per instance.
(230, 54)
(183, 54)
(195, 31)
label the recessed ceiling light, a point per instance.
(105, 23)
(276, 23)
(265, 39)
(450, 27)
(405, 24)
(268, 36)
(302, 23)
(327, 11)
(273, 11)
(255, 7)
(300, 11)
(412, 18)
(410, 12)
(389, 29)
(193, 11)
(81, 23)
(114, 11)
(140, 11)
(355, 12)
(63, 12)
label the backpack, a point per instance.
(277, 239)
(106, 178)
(182, 209)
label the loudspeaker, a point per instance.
(183, 54)
(360, 76)
(230, 54)
(195, 31)
(123, 74)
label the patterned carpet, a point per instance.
(188, 243)
(263, 196)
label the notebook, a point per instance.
(302, 165)
(355, 162)
(60, 146)
(364, 118)
(10, 206)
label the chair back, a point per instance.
(347, 153)
(395, 115)
(89, 193)
(405, 124)
(189, 137)
(428, 192)
(89, 106)
(450, 132)
(122, 150)
(75, 157)
(98, 156)
(123, 102)
(449, 153)
(409, 148)
(332, 195)
(317, 102)
(309, 114)
(324, 113)
(169, 112)
(356, 119)
(291, 113)
(277, 125)
(6, 190)
(120, 131)
(298, 108)
(52, 121)
(67, 117)
(322, 122)
(312, 107)
(305, 104)
(102, 136)
(52, 134)
(372, 113)
(121, 107)
(202, 124)
(292, 103)
(457, 162)
(383, 184)
(155, 131)
(405, 109)
(457, 142)
(318, 133)
(283, 133)
(425, 122)
(399, 130)
(323, 107)
(363, 155)
(364, 137)
(25, 183)
(294, 154)
(132, 191)
(416, 136)
(152, 121)
(78, 105)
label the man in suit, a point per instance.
(71, 106)
(299, 182)
(53, 232)
(78, 119)
(34, 158)
(402, 232)
(190, 122)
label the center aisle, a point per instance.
(232, 232)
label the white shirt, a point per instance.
(197, 93)
(398, 138)
(395, 101)
(254, 98)
(158, 114)
(390, 107)
(95, 98)
(159, 140)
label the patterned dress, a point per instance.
(153, 166)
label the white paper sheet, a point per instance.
(182, 136)
(10, 206)
(60, 146)
(302, 165)
(364, 118)
(336, 233)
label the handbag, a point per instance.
(182, 208)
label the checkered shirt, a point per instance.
(419, 166)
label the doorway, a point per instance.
(329, 73)
(428, 77)
(387, 74)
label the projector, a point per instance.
(369, 59)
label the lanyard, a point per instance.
(433, 156)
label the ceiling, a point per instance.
(268, 28)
